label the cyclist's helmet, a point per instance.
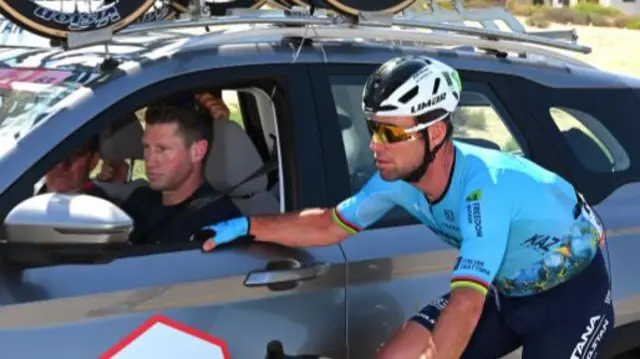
(412, 86)
(416, 86)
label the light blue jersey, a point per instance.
(515, 223)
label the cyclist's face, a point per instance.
(396, 152)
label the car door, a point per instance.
(397, 266)
(243, 294)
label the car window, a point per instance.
(594, 146)
(230, 98)
(476, 121)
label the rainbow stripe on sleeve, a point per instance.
(343, 223)
(470, 282)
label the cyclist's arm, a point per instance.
(484, 225)
(327, 226)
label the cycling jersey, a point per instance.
(518, 226)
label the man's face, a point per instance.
(398, 160)
(169, 161)
(71, 174)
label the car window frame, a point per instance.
(301, 190)
(594, 186)
(339, 184)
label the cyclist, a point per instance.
(530, 271)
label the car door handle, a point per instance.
(282, 272)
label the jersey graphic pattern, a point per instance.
(515, 223)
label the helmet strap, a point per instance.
(429, 156)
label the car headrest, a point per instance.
(233, 158)
(123, 140)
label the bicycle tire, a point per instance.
(57, 25)
(353, 7)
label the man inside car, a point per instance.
(71, 175)
(178, 200)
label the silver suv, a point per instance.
(72, 285)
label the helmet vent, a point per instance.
(436, 86)
(409, 95)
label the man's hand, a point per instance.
(224, 232)
(457, 322)
(214, 105)
(114, 171)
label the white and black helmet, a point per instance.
(412, 86)
(416, 86)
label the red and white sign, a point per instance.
(164, 338)
(8, 77)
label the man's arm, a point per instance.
(310, 227)
(484, 224)
(457, 322)
(327, 226)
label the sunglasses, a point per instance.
(389, 133)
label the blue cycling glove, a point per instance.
(227, 231)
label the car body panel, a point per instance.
(99, 304)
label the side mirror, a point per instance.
(56, 228)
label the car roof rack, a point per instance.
(449, 25)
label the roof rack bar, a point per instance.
(570, 35)
(495, 34)
(487, 17)
(391, 34)
(340, 21)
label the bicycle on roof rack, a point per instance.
(58, 19)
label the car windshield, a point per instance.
(26, 95)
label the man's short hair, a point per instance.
(192, 127)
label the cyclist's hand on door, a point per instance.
(222, 232)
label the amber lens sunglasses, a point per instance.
(388, 133)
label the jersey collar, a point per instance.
(451, 174)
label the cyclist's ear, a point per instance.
(437, 132)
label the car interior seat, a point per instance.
(121, 141)
(350, 138)
(233, 157)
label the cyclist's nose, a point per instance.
(376, 146)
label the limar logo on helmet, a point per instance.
(432, 102)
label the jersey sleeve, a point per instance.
(485, 220)
(374, 200)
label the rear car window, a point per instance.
(595, 147)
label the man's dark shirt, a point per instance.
(156, 223)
